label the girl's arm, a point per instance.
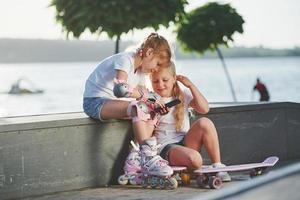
(199, 102)
(122, 75)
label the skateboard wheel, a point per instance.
(252, 173)
(214, 182)
(185, 178)
(256, 172)
(122, 180)
(172, 183)
(201, 181)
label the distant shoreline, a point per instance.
(86, 61)
(37, 50)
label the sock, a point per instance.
(217, 164)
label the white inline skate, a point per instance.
(132, 167)
(156, 171)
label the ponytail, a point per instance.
(179, 109)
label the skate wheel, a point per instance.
(137, 180)
(154, 182)
(153, 185)
(132, 181)
(145, 183)
(202, 181)
(185, 178)
(173, 184)
(162, 184)
(214, 182)
(122, 180)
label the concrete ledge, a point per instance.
(44, 121)
(50, 153)
(250, 133)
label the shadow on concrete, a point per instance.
(106, 153)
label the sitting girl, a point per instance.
(180, 143)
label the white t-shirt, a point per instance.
(166, 132)
(100, 83)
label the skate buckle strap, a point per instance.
(163, 162)
(155, 161)
(155, 147)
(136, 147)
(149, 152)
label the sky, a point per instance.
(268, 23)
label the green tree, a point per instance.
(209, 26)
(115, 17)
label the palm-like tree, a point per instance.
(209, 26)
(115, 17)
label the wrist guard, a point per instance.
(122, 89)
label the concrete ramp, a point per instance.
(282, 183)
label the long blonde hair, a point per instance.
(178, 113)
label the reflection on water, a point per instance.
(63, 83)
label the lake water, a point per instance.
(63, 83)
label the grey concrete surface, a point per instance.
(124, 193)
(286, 188)
(137, 192)
(239, 180)
(60, 152)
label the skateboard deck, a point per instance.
(178, 168)
(207, 175)
(269, 162)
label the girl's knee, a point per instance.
(205, 124)
(195, 160)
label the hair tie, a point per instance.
(153, 35)
(140, 52)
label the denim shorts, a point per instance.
(164, 153)
(92, 106)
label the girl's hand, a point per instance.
(184, 80)
(163, 109)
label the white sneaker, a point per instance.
(224, 176)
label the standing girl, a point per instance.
(121, 75)
(180, 143)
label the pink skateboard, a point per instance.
(207, 175)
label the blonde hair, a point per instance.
(178, 113)
(159, 45)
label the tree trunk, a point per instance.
(227, 74)
(117, 44)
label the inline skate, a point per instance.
(132, 167)
(155, 171)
